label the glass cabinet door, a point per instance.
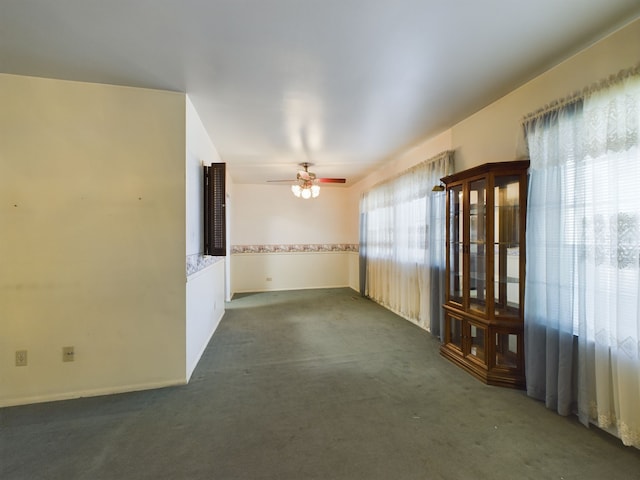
(454, 330)
(477, 341)
(477, 245)
(507, 350)
(455, 239)
(506, 245)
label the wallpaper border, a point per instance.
(295, 248)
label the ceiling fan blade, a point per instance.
(276, 181)
(331, 180)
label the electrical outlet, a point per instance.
(21, 358)
(269, 279)
(68, 354)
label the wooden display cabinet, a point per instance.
(485, 267)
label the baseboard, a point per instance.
(288, 289)
(55, 397)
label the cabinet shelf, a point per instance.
(509, 280)
(484, 292)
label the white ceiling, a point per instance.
(341, 83)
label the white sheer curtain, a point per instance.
(398, 225)
(582, 307)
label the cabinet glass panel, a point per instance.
(455, 331)
(506, 245)
(506, 350)
(477, 245)
(455, 244)
(478, 337)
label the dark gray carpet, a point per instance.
(314, 384)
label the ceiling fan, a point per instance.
(305, 184)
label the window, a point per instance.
(582, 309)
(402, 245)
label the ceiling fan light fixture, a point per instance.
(305, 189)
(306, 183)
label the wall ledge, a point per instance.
(198, 262)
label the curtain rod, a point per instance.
(578, 96)
(445, 153)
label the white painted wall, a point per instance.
(205, 308)
(290, 271)
(271, 215)
(92, 243)
(354, 270)
(206, 288)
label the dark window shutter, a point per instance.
(215, 234)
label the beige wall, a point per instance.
(494, 134)
(425, 150)
(92, 247)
